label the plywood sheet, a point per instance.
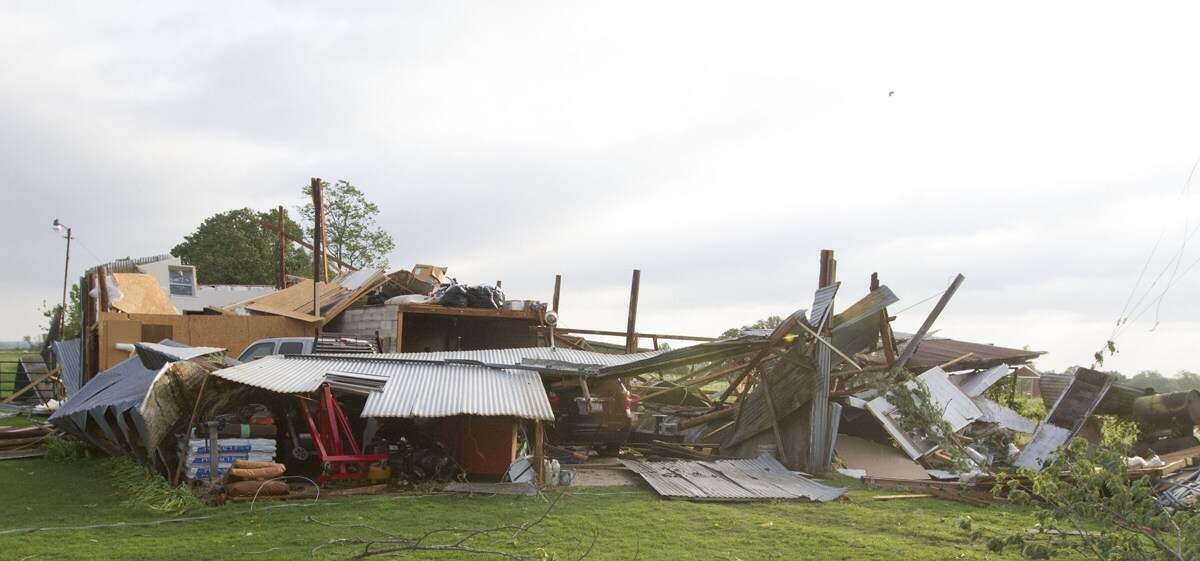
(113, 332)
(879, 460)
(233, 333)
(141, 294)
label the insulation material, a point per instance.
(957, 409)
(877, 460)
(141, 294)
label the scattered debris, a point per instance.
(763, 478)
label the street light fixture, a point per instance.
(58, 226)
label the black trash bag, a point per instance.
(485, 297)
(454, 296)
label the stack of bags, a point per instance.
(229, 451)
(249, 478)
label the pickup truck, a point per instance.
(305, 346)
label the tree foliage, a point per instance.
(1096, 512)
(232, 247)
(1183, 381)
(766, 323)
(353, 235)
(70, 328)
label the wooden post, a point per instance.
(539, 452)
(886, 339)
(281, 276)
(819, 425)
(557, 290)
(318, 239)
(915, 341)
(631, 342)
(321, 232)
(103, 302)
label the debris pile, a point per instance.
(414, 378)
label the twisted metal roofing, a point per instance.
(70, 366)
(762, 478)
(413, 389)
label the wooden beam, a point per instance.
(631, 338)
(570, 331)
(105, 304)
(822, 341)
(32, 384)
(302, 243)
(707, 376)
(915, 341)
(886, 338)
(557, 291)
(766, 383)
(539, 452)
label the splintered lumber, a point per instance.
(830, 345)
(707, 417)
(777, 337)
(707, 375)
(901, 497)
(793, 379)
(974, 495)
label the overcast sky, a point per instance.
(1041, 149)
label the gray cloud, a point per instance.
(717, 151)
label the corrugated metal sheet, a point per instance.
(957, 409)
(1118, 400)
(934, 352)
(515, 356)
(109, 395)
(998, 414)
(70, 366)
(822, 306)
(129, 265)
(762, 478)
(1068, 415)
(413, 389)
(976, 383)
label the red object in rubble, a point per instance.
(332, 435)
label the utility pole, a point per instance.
(318, 238)
(281, 276)
(62, 317)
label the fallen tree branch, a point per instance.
(94, 526)
(392, 543)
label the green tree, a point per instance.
(233, 247)
(70, 328)
(353, 236)
(767, 323)
(1096, 512)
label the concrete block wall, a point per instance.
(366, 321)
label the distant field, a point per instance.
(8, 369)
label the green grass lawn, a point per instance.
(627, 522)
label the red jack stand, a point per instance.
(331, 434)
